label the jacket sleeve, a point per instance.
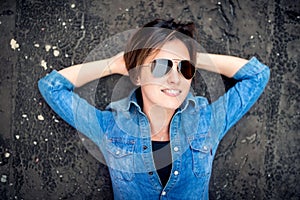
(252, 79)
(58, 93)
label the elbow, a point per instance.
(43, 88)
(265, 77)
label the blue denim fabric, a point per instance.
(122, 132)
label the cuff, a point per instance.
(56, 80)
(250, 69)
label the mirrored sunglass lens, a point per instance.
(187, 69)
(160, 67)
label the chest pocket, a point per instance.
(202, 156)
(120, 157)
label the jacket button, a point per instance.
(176, 149)
(145, 147)
(163, 193)
(176, 173)
(150, 173)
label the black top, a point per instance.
(162, 159)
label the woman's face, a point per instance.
(170, 90)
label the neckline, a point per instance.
(160, 142)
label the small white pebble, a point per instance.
(44, 64)
(6, 154)
(73, 5)
(40, 117)
(3, 178)
(82, 27)
(64, 23)
(35, 142)
(269, 21)
(66, 55)
(219, 2)
(14, 44)
(54, 47)
(24, 115)
(37, 45)
(47, 47)
(251, 37)
(278, 54)
(17, 137)
(46, 139)
(56, 53)
(26, 57)
(126, 9)
(56, 120)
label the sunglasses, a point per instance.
(161, 67)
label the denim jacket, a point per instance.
(122, 132)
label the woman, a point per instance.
(160, 141)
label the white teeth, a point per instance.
(172, 91)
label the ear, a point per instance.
(137, 81)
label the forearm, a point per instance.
(222, 64)
(81, 74)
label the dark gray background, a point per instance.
(45, 159)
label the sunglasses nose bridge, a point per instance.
(174, 73)
(175, 65)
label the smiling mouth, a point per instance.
(171, 92)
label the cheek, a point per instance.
(186, 84)
(146, 78)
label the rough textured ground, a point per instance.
(46, 159)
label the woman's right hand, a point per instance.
(117, 64)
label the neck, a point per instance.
(160, 119)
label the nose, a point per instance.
(173, 75)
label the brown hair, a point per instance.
(151, 37)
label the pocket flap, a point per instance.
(120, 147)
(199, 145)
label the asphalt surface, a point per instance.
(41, 157)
